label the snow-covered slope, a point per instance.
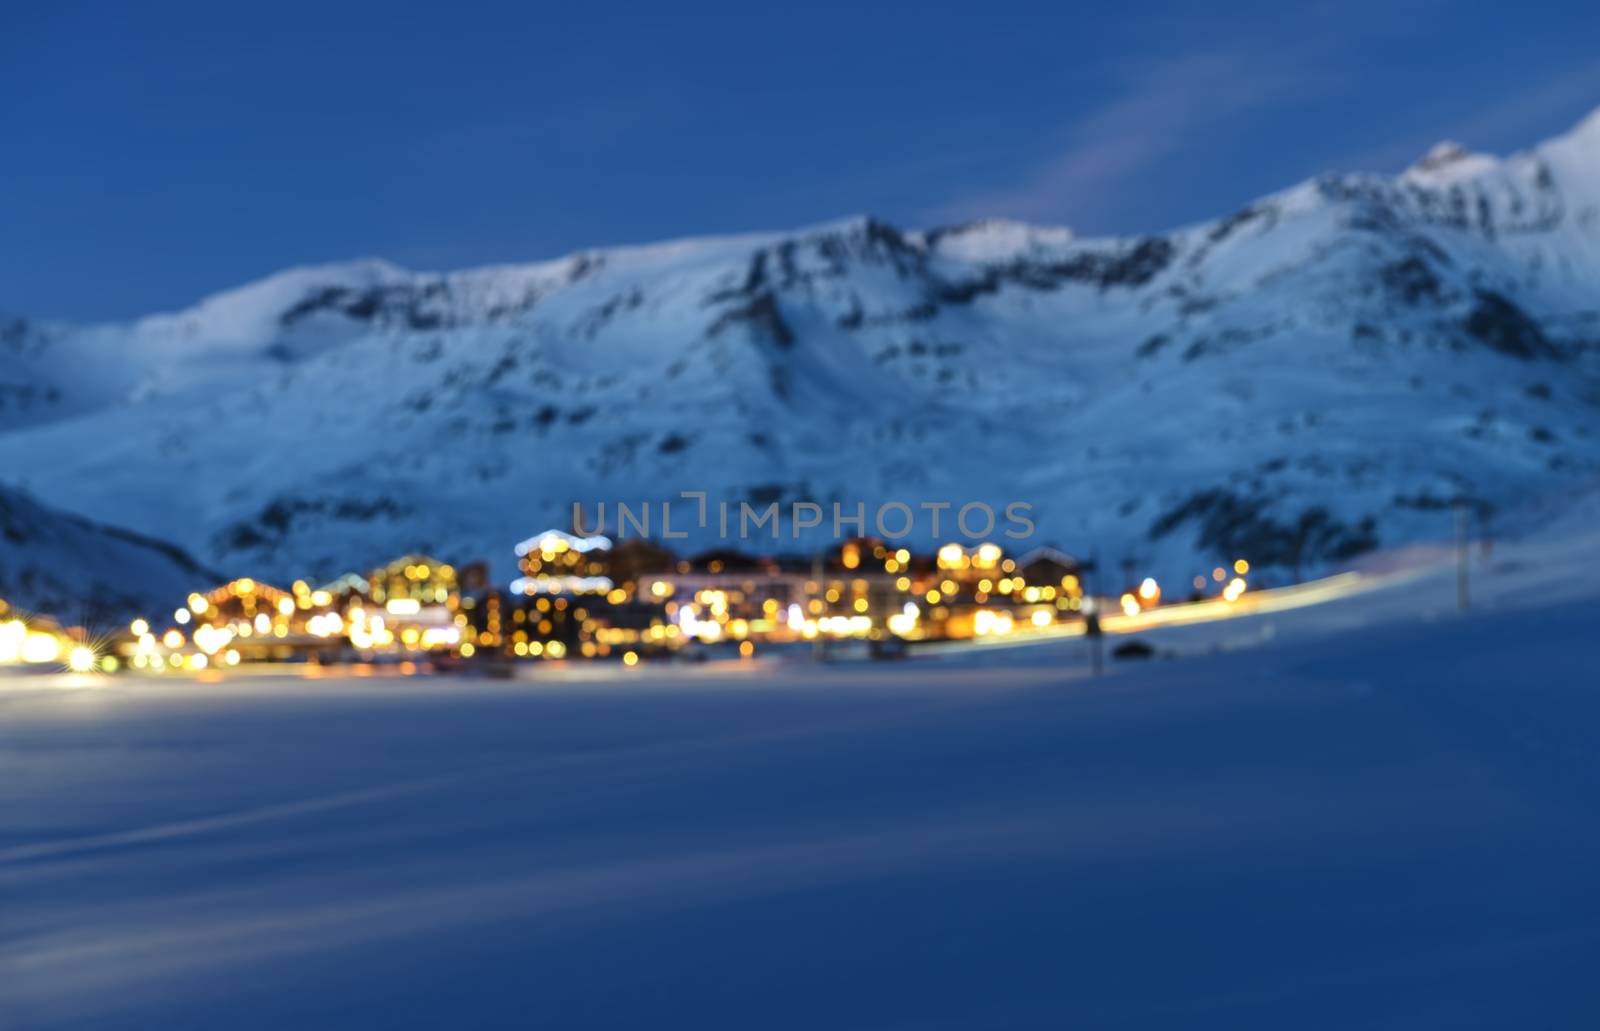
(1320, 372)
(1392, 828)
(84, 572)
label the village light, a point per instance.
(1241, 567)
(12, 634)
(1150, 591)
(39, 646)
(986, 622)
(844, 626)
(81, 659)
(1235, 587)
(139, 628)
(1130, 605)
(438, 637)
(211, 639)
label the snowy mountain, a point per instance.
(1319, 373)
(84, 572)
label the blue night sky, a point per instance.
(150, 154)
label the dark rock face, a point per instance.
(282, 515)
(1132, 267)
(1506, 328)
(407, 306)
(764, 318)
(1411, 280)
(1232, 524)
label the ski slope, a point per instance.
(1380, 816)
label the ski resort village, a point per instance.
(587, 597)
(800, 517)
(334, 464)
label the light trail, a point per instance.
(1211, 610)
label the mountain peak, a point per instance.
(1445, 152)
(1449, 161)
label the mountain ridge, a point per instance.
(85, 572)
(1313, 375)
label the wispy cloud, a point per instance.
(1161, 110)
(1104, 164)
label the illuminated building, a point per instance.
(341, 591)
(555, 562)
(576, 597)
(415, 601)
(522, 626)
(866, 587)
(1050, 579)
(635, 558)
(38, 641)
(252, 619)
(726, 595)
(413, 578)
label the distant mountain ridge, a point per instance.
(1324, 371)
(83, 572)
